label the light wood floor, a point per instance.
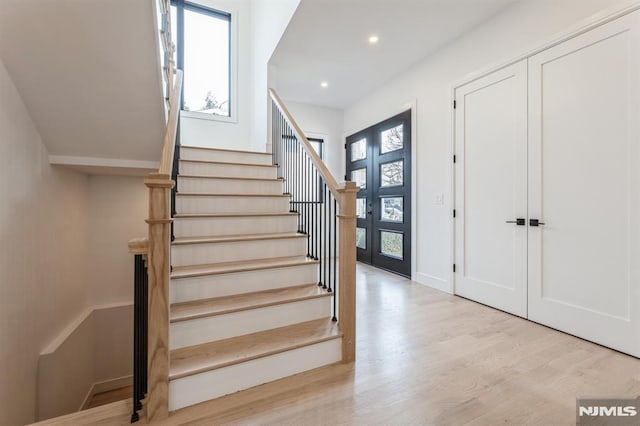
(425, 357)
(104, 398)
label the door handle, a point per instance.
(535, 222)
(519, 221)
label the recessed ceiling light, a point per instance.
(324, 84)
(373, 39)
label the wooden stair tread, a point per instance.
(246, 265)
(226, 163)
(210, 356)
(191, 194)
(224, 150)
(237, 238)
(225, 305)
(233, 214)
(230, 178)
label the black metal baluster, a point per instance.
(326, 242)
(307, 206)
(330, 261)
(320, 240)
(335, 259)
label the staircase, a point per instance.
(245, 305)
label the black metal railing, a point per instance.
(140, 334)
(174, 175)
(310, 197)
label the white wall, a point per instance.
(314, 121)
(224, 134)
(260, 25)
(269, 21)
(524, 26)
(118, 207)
(43, 241)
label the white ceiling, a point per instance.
(88, 73)
(327, 41)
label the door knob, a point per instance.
(535, 222)
(519, 221)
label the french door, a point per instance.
(548, 187)
(379, 161)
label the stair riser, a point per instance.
(224, 156)
(202, 254)
(210, 286)
(227, 170)
(223, 381)
(221, 226)
(212, 205)
(228, 186)
(209, 329)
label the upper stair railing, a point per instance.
(151, 304)
(326, 213)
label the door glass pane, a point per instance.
(391, 209)
(359, 150)
(391, 174)
(361, 238)
(359, 177)
(391, 139)
(391, 244)
(206, 63)
(361, 208)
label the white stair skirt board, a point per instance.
(230, 225)
(212, 384)
(224, 156)
(200, 185)
(237, 251)
(218, 327)
(190, 204)
(229, 284)
(227, 170)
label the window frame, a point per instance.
(231, 17)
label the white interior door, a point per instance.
(584, 163)
(491, 189)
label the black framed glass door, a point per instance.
(379, 161)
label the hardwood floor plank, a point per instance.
(428, 358)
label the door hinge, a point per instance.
(454, 267)
(454, 212)
(345, 146)
(454, 159)
(346, 178)
(455, 104)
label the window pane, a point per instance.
(360, 177)
(391, 244)
(392, 209)
(206, 63)
(361, 208)
(359, 150)
(361, 238)
(392, 174)
(391, 139)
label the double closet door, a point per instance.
(548, 187)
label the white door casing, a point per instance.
(491, 189)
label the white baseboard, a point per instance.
(105, 386)
(434, 282)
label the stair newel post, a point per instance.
(347, 271)
(159, 221)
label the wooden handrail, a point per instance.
(306, 145)
(166, 161)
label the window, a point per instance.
(203, 40)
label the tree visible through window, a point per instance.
(202, 37)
